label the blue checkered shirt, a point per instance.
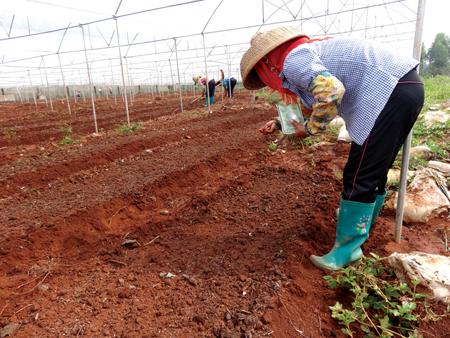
(368, 71)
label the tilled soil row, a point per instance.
(25, 116)
(41, 127)
(40, 207)
(224, 285)
(57, 165)
(85, 235)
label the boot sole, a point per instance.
(316, 260)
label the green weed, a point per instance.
(378, 308)
(269, 96)
(67, 135)
(436, 90)
(200, 113)
(273, 146)
(437, 135)
(9, 133)
(125, 128)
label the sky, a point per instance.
(389, 21)
(436, 20)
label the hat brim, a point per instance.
(263, 44)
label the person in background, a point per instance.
(203, 81)
(377, 92)
(228, 83)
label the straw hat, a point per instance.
(196, 79)
(261, 44)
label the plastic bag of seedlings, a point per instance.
(287, 113)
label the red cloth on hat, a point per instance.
(271, 65)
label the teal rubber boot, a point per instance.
(352, 230)
(211, 100)
(379, 201)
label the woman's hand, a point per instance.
(300, 130)
(269, 127)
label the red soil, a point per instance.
(202, 198)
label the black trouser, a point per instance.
(365, 173)
(229, 88)
(212, 88)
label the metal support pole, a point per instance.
(171, 75)
(407, 144)
(107, 88)
(367, 19)
(157, 79)
(42, 84)
(64, 84)
(32, 91)
(223, 88)
(113, 82)
(81, 87)
(193, 86)
(94, 114)
(351, 19)
(161, 83)
(262, 6)
(20, 95)
(229, 71)
(123, 75)
(129, 80)
(48, 86)
(206, 75)
(178, 74)
(152, 87)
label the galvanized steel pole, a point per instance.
(32, 91)
(94, 114)
(123, 76)
(129, 80)
(48, 86)
(229, 71)
(206, 75)
(178, 74)
(64, 84)
(407, 145)
(113, 82)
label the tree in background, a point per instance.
(438, 55)
(423, 68)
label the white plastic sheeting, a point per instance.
(433, 271)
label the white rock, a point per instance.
(423, 151)
(437, 116)
(344, 135)
(425, 198)
(43, 287)
(394, 176)
(322, 144)
(9, 329)
(441, 166)
(337, 122)
(434, 107)
(433, 271)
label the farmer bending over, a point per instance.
(228, 83)
(211, 88)
(377, 92)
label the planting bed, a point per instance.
(193, 195)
